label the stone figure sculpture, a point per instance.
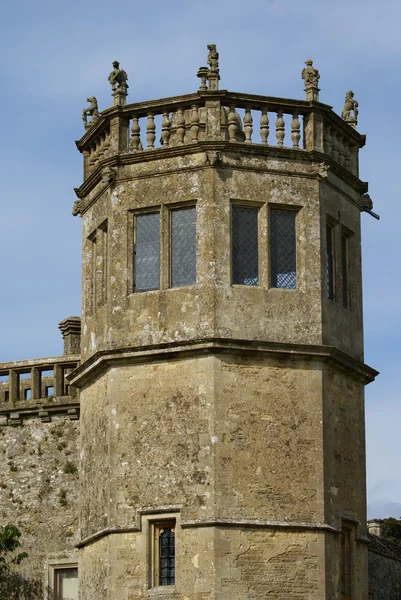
(92, 112)
(118, 76)
(213, 59)
(350, 105)
(311, 77)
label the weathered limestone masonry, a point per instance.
(222, 389)
(39, 430)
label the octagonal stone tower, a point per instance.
(222, 375)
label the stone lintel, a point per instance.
(103, 360)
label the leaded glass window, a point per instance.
(330, 261)
(166, 556)
(344, 269)
(245, 259)
(283, 254)
(147, 251)
(183, 246)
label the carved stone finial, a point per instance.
(203, 75)
(311, 77)
(213, 62)
(320, 170)
(76, 209)
(92, 112)
(108, 175)
(350, 105)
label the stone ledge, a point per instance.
(15, 414)
(102, 360)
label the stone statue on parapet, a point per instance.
(118, 77)
(311, 77)
(214, 72)
(350, 105)
(92, 111)
(213, 59)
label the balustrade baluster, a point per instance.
(328, 143)
(248, 126)
(341, 150)
(135, 142)
(264, 126)
(166, 123)
(295, 130)
(280, 129)
(334, 142)
(150, 132)
(232, 123)
(194, 123)
(180, 126)
(347, 158)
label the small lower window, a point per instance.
(65, 585)
(163, 553)
(330, 261)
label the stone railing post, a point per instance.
(119, 133)
(13, 386)
(213, 120)
(35, 384)
(58, 380)
(314, 132)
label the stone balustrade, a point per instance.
(35, 380)
(221, 116)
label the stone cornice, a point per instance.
(103, 360)
(225, 147)
(14, 414)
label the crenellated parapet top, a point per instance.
(267, 124)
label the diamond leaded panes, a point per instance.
(147, 251)
(283, 271)
(167, 556)
(245, 262)
(183, 246)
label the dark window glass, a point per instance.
(283, 255)
(183, 247)
(167, 556)
(147, 252)
(345, 562)
(344, 269)
(245, 260)
(329, 262)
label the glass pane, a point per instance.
(183, 247)
(167, 557)
(67, 584)
(283, 259)
(147, 252)
(245, 262)
(344, 269)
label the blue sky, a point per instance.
(56, 53)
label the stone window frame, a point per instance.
(339, 232)
(97, 280)
(260, 206)
(52, 566)
(151, 523)
(165, 210)
(297, 210)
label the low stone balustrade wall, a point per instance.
(33, 380)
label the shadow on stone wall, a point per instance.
(17, 587)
